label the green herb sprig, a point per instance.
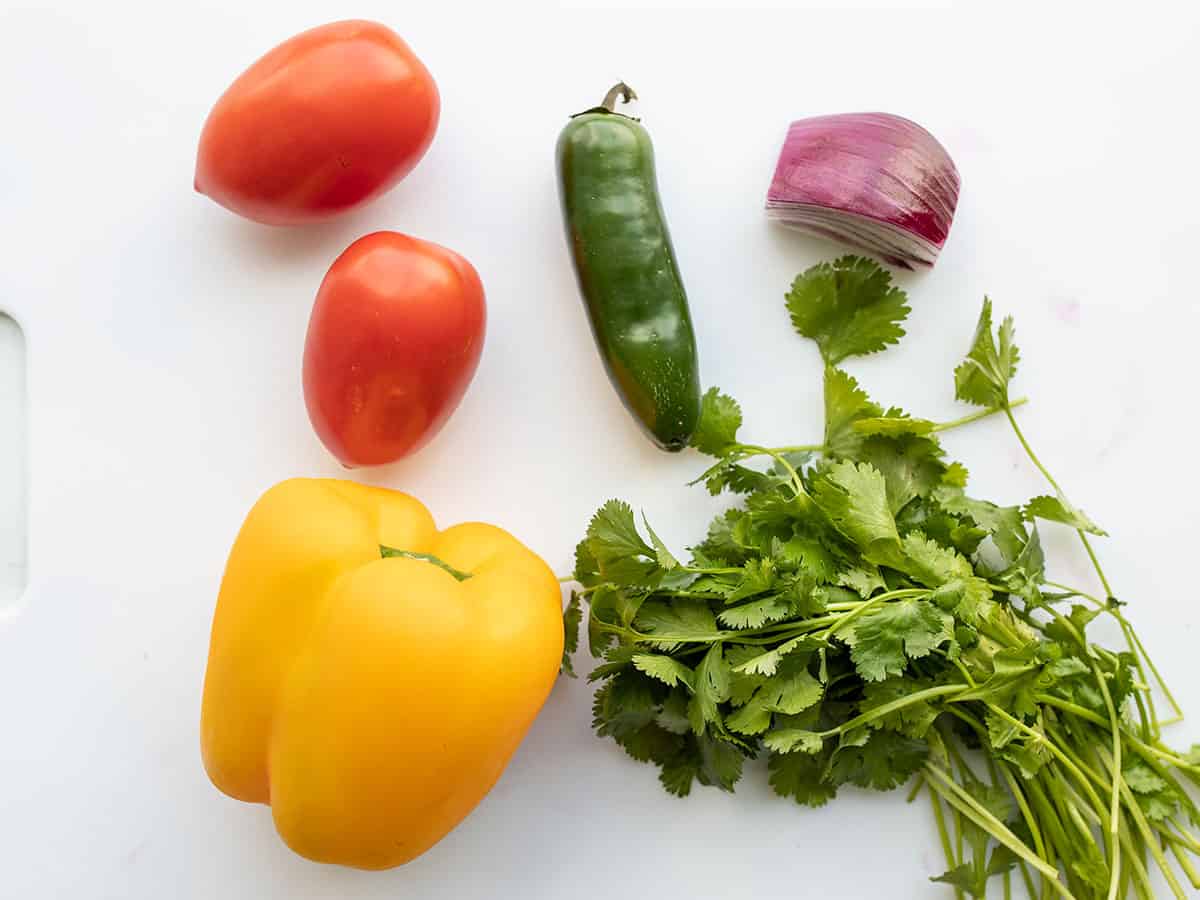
(861, 619)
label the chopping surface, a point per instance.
(163, 356)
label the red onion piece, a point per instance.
(872, 180)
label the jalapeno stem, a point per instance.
(621, 90)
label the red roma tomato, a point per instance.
(393, 342)
(323, 123)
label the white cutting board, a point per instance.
(164, 339)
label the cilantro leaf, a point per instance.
(1005, 524)
(587, 570)
(603, 612)
(666, 669)
(885, 760)
(619, 551)
(767, 663)
(982, 378)
(1057, 509)
(1158, 805)
(720, 419)
(911, 466)
(669, 623)
(913, 720)
(623, 705)
(849, 307)
(752, 718)
(854, 497)
(895, 424)
(957, 588)
(720, 544)
(729, 475)
(972, 876)
(1013, 682)
(673, 715)
(1141, 778)
(883, 640)
(572, 616)
(794, 740)
(651, 743)
(845, 405)
(800, 777)
(758, 575)
(791, 691)
(712, 688)
(811, 554)
(720, 763)
(677, 775)
(661, 554)
(1026, 573)
(756, 613)
(864, 579)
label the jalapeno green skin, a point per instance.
(626, 269)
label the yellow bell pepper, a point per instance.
(372, 701)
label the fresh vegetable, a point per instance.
(861, 619)
(626, 268)
(370, 676)
(393, 342)
(871, 180)
(325, 122)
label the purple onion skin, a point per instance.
(870, 165)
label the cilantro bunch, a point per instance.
(861, 619)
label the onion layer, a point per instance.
(873, 180)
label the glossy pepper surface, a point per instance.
(372, 701)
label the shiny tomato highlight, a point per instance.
(325, 122)
(393, 342)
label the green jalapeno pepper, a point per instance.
(626, 269)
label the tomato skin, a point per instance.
(393, 343)
(325, 122)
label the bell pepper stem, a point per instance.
(388, 552)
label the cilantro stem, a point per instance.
(719, 570)
(756, 450)
(778, 456)
(940, 818)
(1059, 491)
(1073, 708)
(1142, 878)
(1014, 788)
(1030, 890)
(1055, 835)
(888, 708)
(1012, 420)
(872, 604)
(1118, 780)
(1132, 637)
(1142, 824)
(976, 416)
(1054, 750)
(1082, 765)
(1184, 836)
(1184, 863)
(977, 813)
(799, 448)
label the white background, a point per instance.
(164, 344)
